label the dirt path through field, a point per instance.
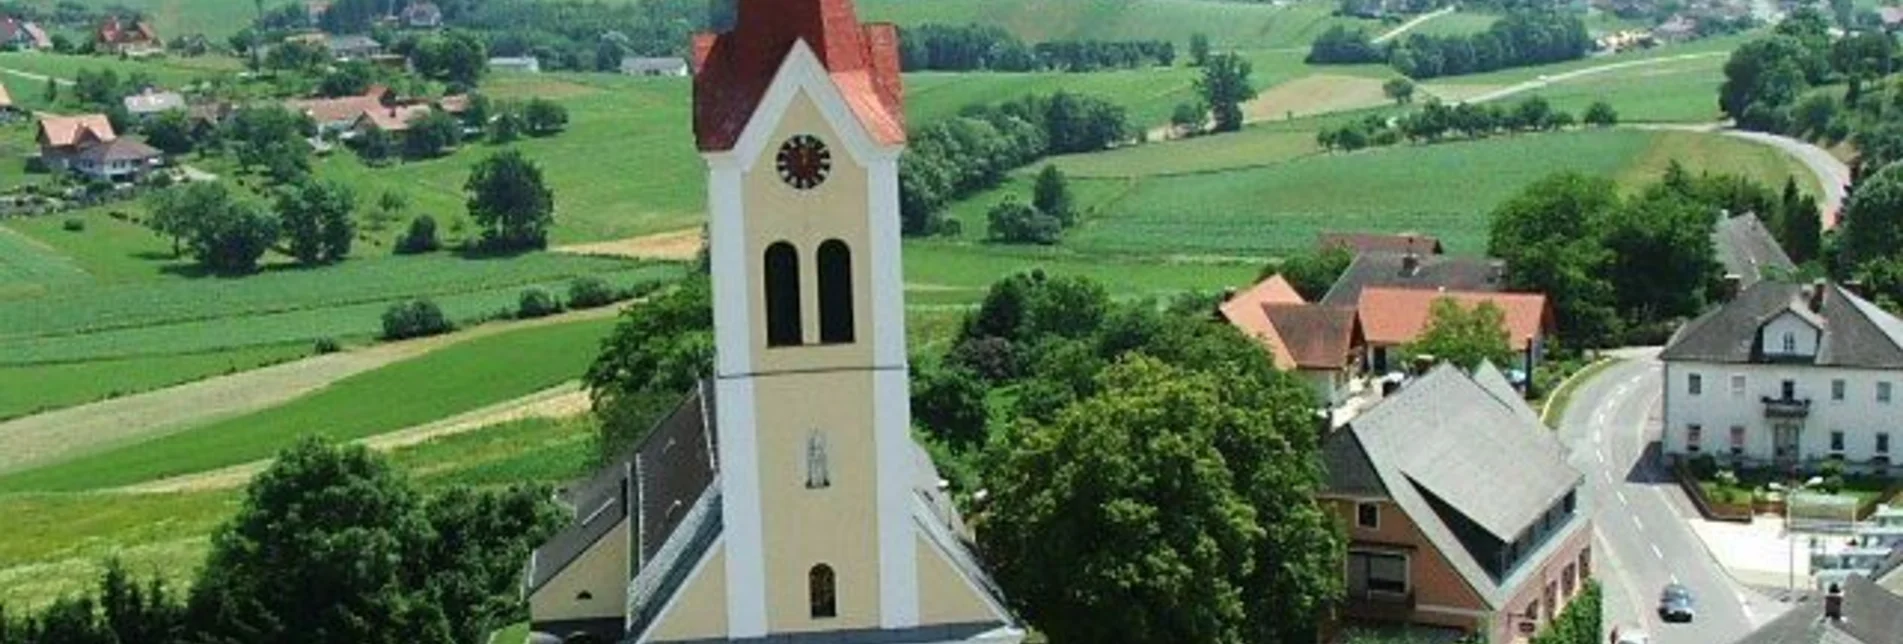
(561, 401)
(65, 434)
(680, 245)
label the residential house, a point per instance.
(21, 34)
(1679, 28)
(784, 500)
(521, 64)
(1320, 343)
(1415, 271)
(1358, 243)
(205, 118)
(1460, 508)
(337, 115)
(422, 14)
(353, 47)
(1892, 17)
(1788, 375)
(87, 145)
(1748, 252)
(119, 37)
(151, 102)
(1857, 611)
(1392, 318)
(394, 119)
(635, 66)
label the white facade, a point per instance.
(1741, 412)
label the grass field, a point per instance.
(1458, 23)
(29, 389)
(1676, 92)
(1230, 25)
(453, 380)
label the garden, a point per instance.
(1728, 492)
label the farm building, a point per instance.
(150, 102)
(117, 37)
(1415, 271)
(634, 66)
(20, 34)
(523, 64)
(1392, 318)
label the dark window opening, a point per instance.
(1368, 515)
(584, 596)
(782, 296)
(835, 293)
(819, 586)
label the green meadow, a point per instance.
(1230, 25)
(28, 389)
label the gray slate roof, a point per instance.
(1449, 437)
(1435, 272)
(1856, 333)
(1746, 249)
(1872, 615)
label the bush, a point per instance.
(414, 319)
(590, 292)
(536, 303)
(1703, 467)
(74, 224)
(421, 237)
(327, 345)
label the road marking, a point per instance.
(1598, 436)
(1674, 579)
(1657, 552)
(1606, 474)
(1622, 500)
(1637, 522)
(1601, 454)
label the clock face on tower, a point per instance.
(804, 162)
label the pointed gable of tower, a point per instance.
(733, 69)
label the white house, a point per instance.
(1787, 375)
(639, 66)
(519, 64)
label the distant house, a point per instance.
(1415, 271)
(336, 115)
(87, 145)
(422, 15)
(1319, 342)
(1892, 17)
(1460, 508)
(394, 119)
(634, 66)
(20, 34)
(524, 64)
(118, 37)
(207, 117)
(353, 47)
(1679, 29)
(1358, 243)
(149, 103)
(1748, 252)
(1392, 318)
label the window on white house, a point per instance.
(1693, 435)
(1737, 440)
(1883, 442)
(1790, 342)
(1695, 384)
(1837, 389)
(1368, 515)
(1883, 392)
(1737, 385)
(1789, 389)
(1837, 441)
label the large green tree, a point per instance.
(510, 200)
(1767, 74)
(1225, 86)
(1465, 336)
(1873, 219)
(1663, 259)
(1549, 235)
(224, 233)
(655, 354)
(316, 220)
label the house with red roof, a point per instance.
(1321, 343)
(21, 34)
(123, 37)
(1392, 318)
(86, 144)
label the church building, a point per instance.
(783, 500)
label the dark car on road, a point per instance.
(1675, 604)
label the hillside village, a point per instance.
(999, 321)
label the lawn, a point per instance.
(29, 267)
(1684, 91)
(106, 250)
(171, 72)
(535, 450)
(28, 390)
(456, 379)
(1228, 25)
(1458, 23)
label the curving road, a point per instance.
(1642, 541)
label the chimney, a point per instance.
(1410, 264)
(1817, 290)
(1834, 603)
(1734, 284)
(1855, 287)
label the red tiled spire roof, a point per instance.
(733, 69)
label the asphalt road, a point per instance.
(1642, 540)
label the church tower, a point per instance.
(784, 500)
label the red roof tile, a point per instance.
(62, 131)
(1396, 316)
(1315, 336)
(733, 69)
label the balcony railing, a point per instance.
(1786, 407)
(1379, 605)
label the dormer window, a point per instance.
(1790, 343)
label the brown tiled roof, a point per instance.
(454, 103)
(1245, 311)
(734, 68)
(1395, 316)
(1315, 336)
(1382, 243)
(393, 119)
(120, 149)
(6, 98)
(330, 110)
(63, 131)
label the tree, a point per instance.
(509, 199)
(656, 353)
(1549, 235)
(1189, 118)
(950, 402)
(508, 125)
(1601, 114)
(473, 563)
(376, 146)
(347, 79)
(1225, 87)
(420, 238)
(1198, 49)
(1873, 219)
(543, 117)
(52, 90)
(432, 133)
(1015, 222)
(223, 233)
(170, 132)
(1399, 90)
(1767, 73)
(316, 218)
(1312, 272)
(1465, 337)
(1662, 257)
(271, 138)
(456, 57)
(609, 50)
(1052, 196)
(1800, 228)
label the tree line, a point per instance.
(386, 563)
(979, 47)
(1437, 121)
(1521, 38)
(953, 158)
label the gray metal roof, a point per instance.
(1871, 615)
(1433, 272)
(1448, 436)
(1856, 333)
(1747, 249)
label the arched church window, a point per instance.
(782, 281)
(818, 472)
(835, 293)
(819, 587)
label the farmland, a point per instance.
(28, 389)
(1229, 25)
